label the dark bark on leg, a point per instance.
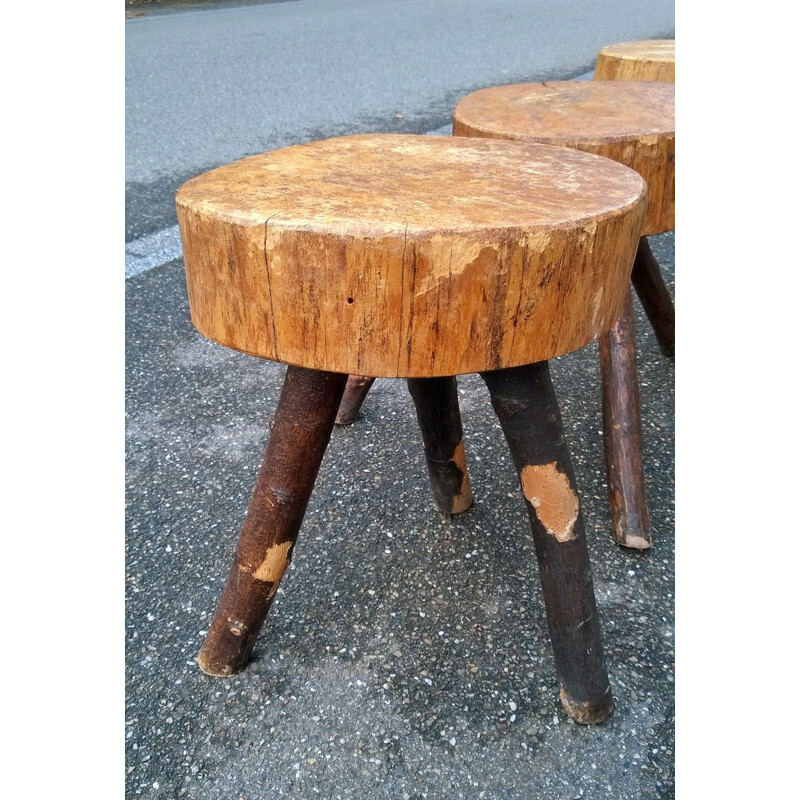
(622, 434)
(654, 296)
(354, 394)
(526, 405)
(436, 401)
(300, 433)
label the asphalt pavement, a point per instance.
(406, 654)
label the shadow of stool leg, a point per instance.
(525, 403)
(436, 402)
(654, 297)
(354, 393)
(622, 434)
(300, 433)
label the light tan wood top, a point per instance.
(392, 255)
(630, 122)
(381, 185)
(647, 60)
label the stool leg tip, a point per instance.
(640, 540)
(215, 669)
(587, 713)
(355, 391)
(460, 504)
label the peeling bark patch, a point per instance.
(463, 500)
(274, 564)
(548, 491)
(460, 460)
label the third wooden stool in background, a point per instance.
(647, 60)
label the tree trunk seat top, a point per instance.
(647, 60)
(632, 122)
(410, 256)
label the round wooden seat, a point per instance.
(647, 60)
(630, 122)
(413, 256)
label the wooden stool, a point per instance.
(417, 257)
(633, 123)
(648, 60)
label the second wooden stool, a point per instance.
(417, 257)
(632, 123)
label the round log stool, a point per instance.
(647, 60)
(423, 258)
(634, 124)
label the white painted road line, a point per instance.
(152, 251)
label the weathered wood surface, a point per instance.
(355, 391)
(300, 433)
(646, 60)
(436, 403)
(411, 256)
(629, 122)
(650, 60)
(622, 434)
(526, 406)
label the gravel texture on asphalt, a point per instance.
(406, 654)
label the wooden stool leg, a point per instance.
(436, 401)
(300, 433)
(654, 296)
(354, 393)
(622, 434)
(525, 403)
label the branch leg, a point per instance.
(654, 296)
(525, 403)
(436, 401)
(300, 433)
(622, 434)
(354, 393)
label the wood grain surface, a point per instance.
(647, 60)
(412, 256)
(632, 122)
